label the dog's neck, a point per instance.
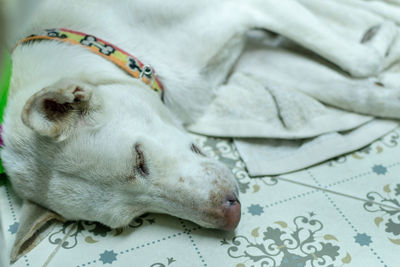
(125, 61)
(42, 63)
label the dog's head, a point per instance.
(113, 152)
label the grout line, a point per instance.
(343, 216)
(14, 216)
(348, 179)
(359, 175)
(187, 231)
(143, 245)
(334, 192)
(291, 198)
(51, 256)
(11, 207)
(26, 260)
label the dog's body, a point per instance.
(161, 34)
(82, 163)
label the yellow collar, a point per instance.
(119, 57)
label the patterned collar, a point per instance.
(119, 57)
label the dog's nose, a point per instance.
(232, 212)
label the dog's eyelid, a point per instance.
(196, 150)
(141, 166)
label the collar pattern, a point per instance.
(119, 57)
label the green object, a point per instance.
(5, 76)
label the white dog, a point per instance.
(87, 141)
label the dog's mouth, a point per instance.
(225, 216)
(228, 215)
(222, 214)
(232, 213)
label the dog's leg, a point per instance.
(293, 20)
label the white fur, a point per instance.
(82, 165)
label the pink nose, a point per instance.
(231, 209)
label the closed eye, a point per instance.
(196, 150)
(141, 166)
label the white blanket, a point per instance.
(286, 90)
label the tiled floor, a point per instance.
(344, 212)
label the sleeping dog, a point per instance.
(99, 97)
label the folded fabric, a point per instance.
(359, 41)
(292, 68)
(277, 156)
(246, 108)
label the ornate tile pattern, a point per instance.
(344, 212)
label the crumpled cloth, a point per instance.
(289, 104)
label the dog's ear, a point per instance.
(34, 226)
(55, 110)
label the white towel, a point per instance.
(277, 156)
(285, 91)
(246, 107)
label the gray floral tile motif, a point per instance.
(255, 209)
(13, 228)
(225, 151)
(363, 239)
(393, 227)
(379, 169)
(297, 244)
(388, 214)
(161, 264)
(99, 229)
(92, 232)
(72, 229)
(389, 141)
(108, 256)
